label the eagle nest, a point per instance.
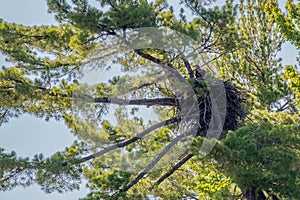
(235, 101)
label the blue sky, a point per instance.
(28, 135)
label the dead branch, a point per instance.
(127, 142)
(174, 168)
(156, 160)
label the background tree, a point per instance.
(289, 27)
(257, 68)
(287, 22)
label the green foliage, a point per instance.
(52, 174)
(293, 76)
(288, 22)
(257, 156)
(254, 64)
(121, 15)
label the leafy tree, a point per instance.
(289, 27)
(256, 158)
(257, 68)
(253, 157)
(288, 23)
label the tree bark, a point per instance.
(140, 102)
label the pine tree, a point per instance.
(256, 149)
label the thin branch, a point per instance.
(20, 82)
(127, 142)
(148, 56)
(215, 58)
(208, 38)
(174, 168)
(155, 161)
(141, 86)
(113, 6)
(153, 59)
(192, 197)
(283, 107)
(14, 173)
(103, 27)
(3, 115)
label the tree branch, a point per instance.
(3, 115)
(189, 69)
(127, 142)
(174, 168)
(155, 161)
(113, 6)
(141, 86)
(13, 173)
(215, 58)
(146, 84)
(283, 107)
(148, 56)
(140, 102)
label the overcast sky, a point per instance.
(28, 135)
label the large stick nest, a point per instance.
(235, 101)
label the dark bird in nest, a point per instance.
(75, 81)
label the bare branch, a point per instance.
(13, 173)
(188, 67)
(215, 58)
(174, 168)
(141, 86)
(3, 115)
(113, 6)
(148, 56)
(283, 107)
(155, 161)
(127, 142)
(140, 102)
(146, 84)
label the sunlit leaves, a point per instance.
(288, 23)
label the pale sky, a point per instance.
(28, 135)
